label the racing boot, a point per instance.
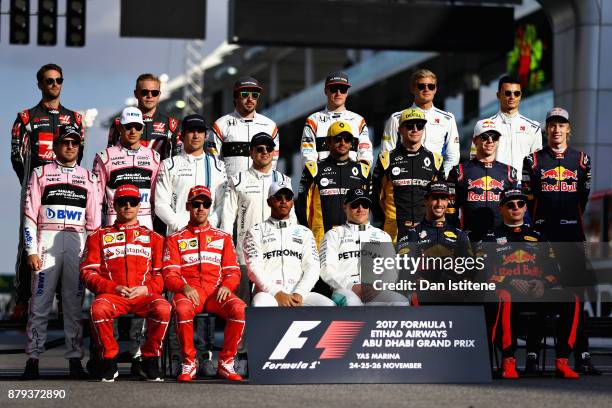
(108, 370)
(583, 365)
(509, 369)
(188, 372)
(563, 370)
(531, 364)
(136, 368)
(76, 369)
(31, 370)
(150, 367)
(225, 369)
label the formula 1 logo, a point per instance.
(335, 342)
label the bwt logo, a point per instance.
(63, 214)
(335, 342)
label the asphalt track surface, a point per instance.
(538, 392)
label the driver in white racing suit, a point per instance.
(342, 250)
(281, 256)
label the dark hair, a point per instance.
(48, 67)
(147, 77)
(507, 79)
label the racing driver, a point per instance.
(281, 256)
(200, 267)
(524, 268)
(122, 266)
(128, 162)
(61, 207)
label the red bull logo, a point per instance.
(559, 175)
(486, 183)
(519, 256)
(489, 186)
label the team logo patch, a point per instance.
(427, 162)
(422, 234)
(159, 127)
(145, 239)
(64, 119)
(216, 244)
(450, 234)
(114, 237)
(355, 171)
(193, 243)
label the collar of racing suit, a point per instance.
(433, 224)
(514, 228)
(358, 227)
(63, 166)
(260, 174)
(336, 112)
(556, 154)
(191, 158)
(405, 151)
(280, 223)
(337, 162)
(481, 163)
(243, 119)
(149, 117)
(508, 118)
(48, 110)
(196, 229)
(122, 147)
(126, 226)
(415, 106)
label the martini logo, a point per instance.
(335, 342)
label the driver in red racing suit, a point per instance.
(122, 266)
(200, 267)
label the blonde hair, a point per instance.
(422, 73)
(147, 77)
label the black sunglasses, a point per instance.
(486, 136)
(70, 143)
(338, 88)
(145, 92)
(345, 136)
(419, 124)
(283, 196)
(130, 126)
(246, 94)
(422, 86)
(364, 204)
(264, 149)
(515, 205)
(132, 201)
(516, 93)
(51, 81)
(198, 204)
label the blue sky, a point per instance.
(101, 75)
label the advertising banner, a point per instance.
(428, 344)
